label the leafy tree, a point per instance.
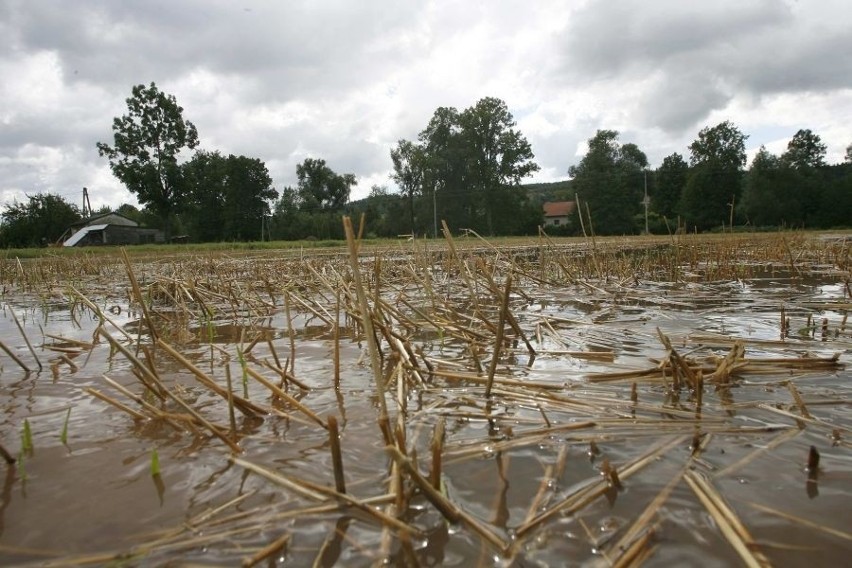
(670, 181)
(41, 220)
(248, 192)
(146, 144)
(145, 217)
(609, 179)
(805, 150)
(444, 156)
(386, 212)
(765, 199)
(722, 144)
(471, 167)
(498, 158)
(227, 197)
(285, 216)
(713, 185)
(835, 200)
(206, 177)
(632, 159)
(408, 172)
(312, 209)
(803, 161)
(849, 153)
(320, 188)
(130, 211)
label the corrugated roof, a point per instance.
(558, 208)
(78, 236)
(111, 218)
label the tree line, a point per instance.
(465, 168)
(797, 189)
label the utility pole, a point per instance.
(87, 205)
(435, 211)
(731, 222)
(646, 201)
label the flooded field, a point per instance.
(666, 401)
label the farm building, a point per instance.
(557, 213)
(111, 229)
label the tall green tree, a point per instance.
(147, 142)
(408, 172)
(286, 222)
(205, 176)
(804, 161)
(766, 199)
(386, 212)
(472, 165)
(609, 179)
(320, 188)
(714, 183)
(248, 193)
(670, 181)
(498, 158)
(835, 200)
(227, 197)
(445, 172)
(805, 150)
(39, 221)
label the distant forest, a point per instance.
(466, 168)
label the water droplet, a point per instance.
(419, 543)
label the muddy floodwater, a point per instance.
(662, 401)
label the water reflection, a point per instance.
(160, 486)
(582, 319)
(6, 495)
(812, 485)
(331, 548)
(611, 494)
(433, 554)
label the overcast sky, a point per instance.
(344, 80)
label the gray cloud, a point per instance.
(283, 48)
(343, 81)
(606, 38)
(674, 104)
(698, 58)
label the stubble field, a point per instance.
(458, 402)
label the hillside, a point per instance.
(554, 191)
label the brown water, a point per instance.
(93, 500)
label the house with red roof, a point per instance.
(558, 213)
